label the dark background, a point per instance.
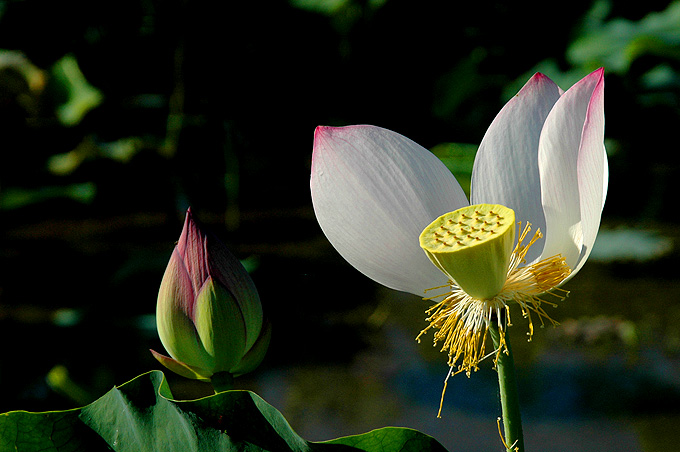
(117, 116)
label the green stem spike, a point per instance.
(512, 421)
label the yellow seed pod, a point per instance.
(472, 245)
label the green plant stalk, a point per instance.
(512, 420)
(222, 381)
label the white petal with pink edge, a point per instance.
(592, 170)
(373, 192)
(573, 170)
(506, 165)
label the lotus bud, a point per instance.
(208, 314)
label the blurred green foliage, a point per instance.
(459, 158)
(616, 42)
(223, 98)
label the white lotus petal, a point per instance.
(558, 157)
(592, 169)
(373, 192)
(506, 166)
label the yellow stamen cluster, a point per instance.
(462, 320)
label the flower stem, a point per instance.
(512, 421)
(222, 381)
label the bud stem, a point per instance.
(222, 381)
(512, 421)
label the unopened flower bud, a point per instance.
(208, 314)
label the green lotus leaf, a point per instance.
(141, 416)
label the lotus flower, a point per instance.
(208, 314)
(389, 207)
